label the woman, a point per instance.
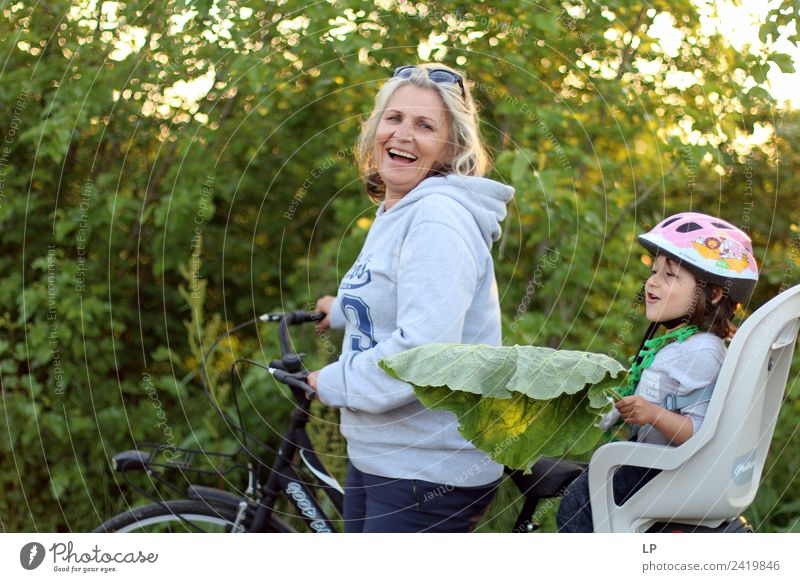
(424, 275)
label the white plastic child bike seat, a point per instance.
(714, 476)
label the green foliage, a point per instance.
(138, 222)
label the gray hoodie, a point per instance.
(425, 275)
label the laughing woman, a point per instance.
(425, 274)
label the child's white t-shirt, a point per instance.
(680, 368)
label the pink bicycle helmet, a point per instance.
(713, 250)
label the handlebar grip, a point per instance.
(298, 317)
(293, 382)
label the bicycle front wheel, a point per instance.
(177, 516)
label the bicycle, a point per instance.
(204, 508)
(211, 509)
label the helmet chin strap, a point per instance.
(672, 323)
(648, 335)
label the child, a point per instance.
(702, 267)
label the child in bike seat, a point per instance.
(702, 267)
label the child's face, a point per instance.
(669, 292)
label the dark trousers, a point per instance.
(575, 512)
(375, 504)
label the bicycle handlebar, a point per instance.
(292, 381)
(291, 365)
(288, 370)
(294, 318)
(298, 317)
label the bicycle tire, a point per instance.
(180, 516)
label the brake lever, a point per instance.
(292, 363)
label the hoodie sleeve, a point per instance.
(338, 320)
(436, 281)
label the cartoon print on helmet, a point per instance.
(728, 254)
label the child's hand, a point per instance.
(637, 410)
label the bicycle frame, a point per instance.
(283, 478)
(257, 513)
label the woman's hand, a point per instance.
(637, 410)
(324, 304)
(312, 381)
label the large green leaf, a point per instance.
(514, 403)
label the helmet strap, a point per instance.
(671, 323)
(648, 335)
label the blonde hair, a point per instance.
(468, 155)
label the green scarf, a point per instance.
(643, 360)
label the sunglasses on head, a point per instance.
(435, 75)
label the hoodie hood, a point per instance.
(483, 198)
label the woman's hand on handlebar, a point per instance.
(324, 304)
(312, 381)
